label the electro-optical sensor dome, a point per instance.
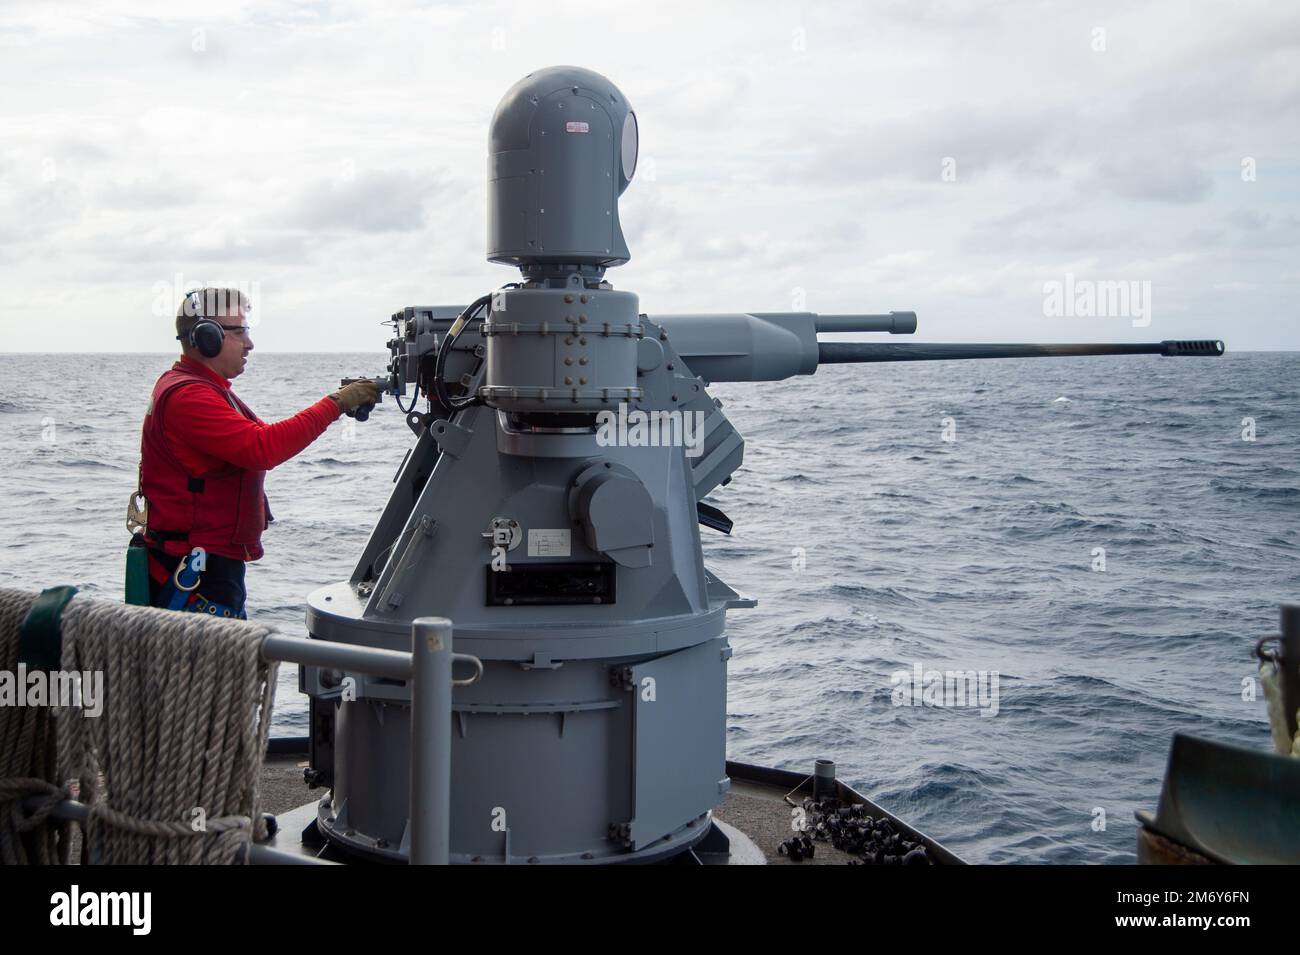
(561, 150)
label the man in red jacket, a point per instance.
(204, 455)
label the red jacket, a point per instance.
(204, 455)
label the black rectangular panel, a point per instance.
(550, 584)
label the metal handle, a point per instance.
(473, 661)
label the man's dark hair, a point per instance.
(208, 303)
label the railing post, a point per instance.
(1289, 683)
(430, 835)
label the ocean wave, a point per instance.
(1255, 491)
(916, 550)
(90, 464)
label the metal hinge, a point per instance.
(452, 439)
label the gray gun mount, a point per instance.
(551, 508)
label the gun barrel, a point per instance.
(772, 346)
(896, 323)
(831, 353)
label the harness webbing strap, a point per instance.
(40, 641)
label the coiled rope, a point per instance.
(1271, 678)
(170, 769)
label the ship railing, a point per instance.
(428, 670)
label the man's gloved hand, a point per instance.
(352, 396)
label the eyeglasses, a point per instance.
(241, 330)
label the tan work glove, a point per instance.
(353, 396)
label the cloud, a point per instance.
(1255, 229)
(143, 194)
(1166, 177)
(83, 149)
(388, 201)
(978, 140)
(34, 210)
(344, 152)
(1052, 225)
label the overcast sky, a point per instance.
(950, 158)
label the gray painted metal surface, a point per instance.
(562, 148)
(551, 509)
(430, 796)
(427, 670)
(1231, 804)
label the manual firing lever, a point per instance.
(363, 412)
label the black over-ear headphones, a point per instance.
(206, 335)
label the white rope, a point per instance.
(171, 767)
(27, 759)
(1271, 677)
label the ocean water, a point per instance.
(873, 546)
